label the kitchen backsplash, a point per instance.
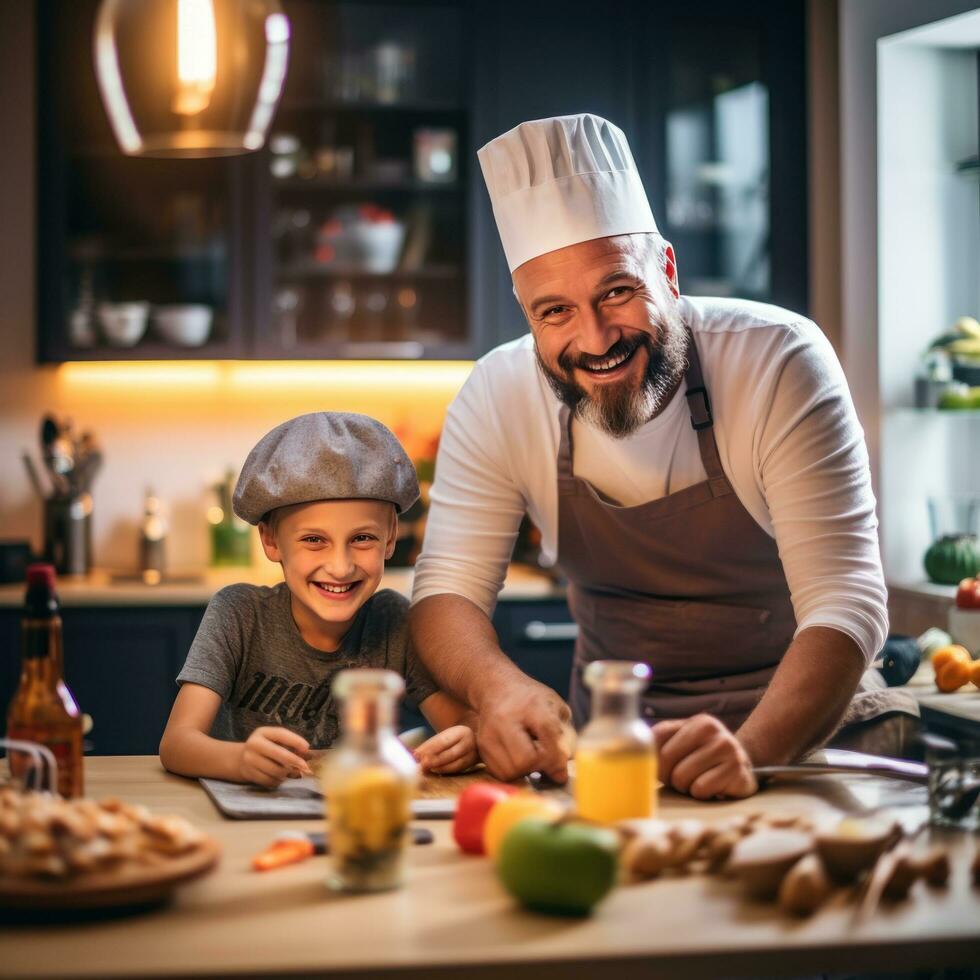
(177, 427)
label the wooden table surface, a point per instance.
(453, 918)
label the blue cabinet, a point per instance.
(121, 661)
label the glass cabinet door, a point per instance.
(717, 133)
(726, 150)
(139, 256)
(363, 226)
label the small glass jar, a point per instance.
(369, 780)
(615, 760)
(954, 782)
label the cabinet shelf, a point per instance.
(418, 107)
(310, 270)
(923, 413)
(364, 185)
(148, 253)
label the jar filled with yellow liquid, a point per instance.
(369, 780)
(616, 760)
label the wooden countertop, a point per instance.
(453, 919)
(102, 588)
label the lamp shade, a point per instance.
(190, 78)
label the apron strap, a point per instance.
(565, 442)
(703, 422)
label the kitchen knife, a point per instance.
(828, 761)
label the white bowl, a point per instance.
(184, 324)
(123, 324)
(964, 627)
(378, 244)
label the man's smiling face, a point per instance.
(607, 332)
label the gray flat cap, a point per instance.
(324, 456)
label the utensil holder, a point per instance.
(68, 534)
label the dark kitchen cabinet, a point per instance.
(120, 663)
(136, 258)
(363, 228)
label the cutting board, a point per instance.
(302, 799)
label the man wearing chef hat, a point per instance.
(696, 469)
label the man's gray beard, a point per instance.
(619, 410)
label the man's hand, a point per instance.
(524, 728)
(701, 757)
(270, 755)
(452, 750)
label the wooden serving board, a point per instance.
(122, 887)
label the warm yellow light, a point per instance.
(197, 56)
(126, 374)
(351, 375)
(361, 377)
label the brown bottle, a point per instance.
(43, 709)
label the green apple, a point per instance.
(562, 867)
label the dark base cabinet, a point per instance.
(539, 636)
(120, 663)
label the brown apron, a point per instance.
(688, 583)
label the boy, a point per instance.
(325, 490)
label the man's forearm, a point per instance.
(459, 647)
(806, 698)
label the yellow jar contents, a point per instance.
(616, 761)
(368, 818)
(615, 785)
(369, 781)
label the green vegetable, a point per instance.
(952, 558)
(959, 396)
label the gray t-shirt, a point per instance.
(249, 650)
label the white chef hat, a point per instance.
(555, 182)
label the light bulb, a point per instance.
(197, 56)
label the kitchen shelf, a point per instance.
(380, 350)
(364, 185)
(970, 167)
(910, 412)
(312, 270)
(334, 105)
(148, 253)
(153, 350)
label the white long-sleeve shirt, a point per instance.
(788, 437)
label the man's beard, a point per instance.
(620, 409)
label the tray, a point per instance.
(123, 887)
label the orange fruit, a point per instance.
(975, 673)
(507, 813)
(953, 674)
(945, 654)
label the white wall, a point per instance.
(862, 23)
(928, 272)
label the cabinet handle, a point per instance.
(538, 631)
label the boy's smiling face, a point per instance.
(333, 555)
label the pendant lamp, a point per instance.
(190, 78)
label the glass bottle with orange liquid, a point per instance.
(616, 760)
(43, 709)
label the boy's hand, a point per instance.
(452, 750)
(270, 755)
